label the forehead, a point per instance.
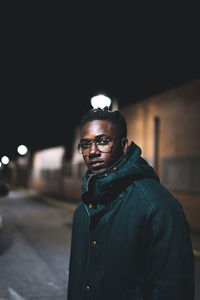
(97, 127)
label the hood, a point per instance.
(105, 187)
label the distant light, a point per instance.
(5, 160)
(100, 101)
(0, 164)
(22, 149)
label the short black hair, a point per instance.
(115, 117)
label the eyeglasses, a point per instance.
(102, 144)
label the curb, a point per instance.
(50, 200)
(54, 202)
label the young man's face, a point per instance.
(106, 134)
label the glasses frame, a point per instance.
(96, 145)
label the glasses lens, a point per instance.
(103, 148)
(83, 148)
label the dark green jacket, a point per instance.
(130, 237)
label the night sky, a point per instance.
(54, 59)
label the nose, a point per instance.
(93, 148)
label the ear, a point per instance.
(124, 144)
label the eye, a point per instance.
(104, 142)
(85, 146)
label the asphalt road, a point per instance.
(35, 246)
(34, 249)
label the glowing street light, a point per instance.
(100, 101)
(5, 160)
(22, 149)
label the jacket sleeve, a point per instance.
(169, 255)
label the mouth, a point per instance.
(96, 164)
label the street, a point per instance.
(34, 249)
(35, 246)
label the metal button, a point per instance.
(106, 174)
(94, 243)
(90, 205)
(87, 288)
(115, 170)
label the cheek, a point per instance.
(111, 158)
(87, 161)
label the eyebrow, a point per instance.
(96, 137)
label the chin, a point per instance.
(97, 171)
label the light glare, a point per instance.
(5, 160)
(100, 101)
(22, 149)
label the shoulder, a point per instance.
(164, 211)
(156, 196)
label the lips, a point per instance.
(96, 164)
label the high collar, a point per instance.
(105, 187)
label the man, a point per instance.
(130, 238)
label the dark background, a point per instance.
(54, 58)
